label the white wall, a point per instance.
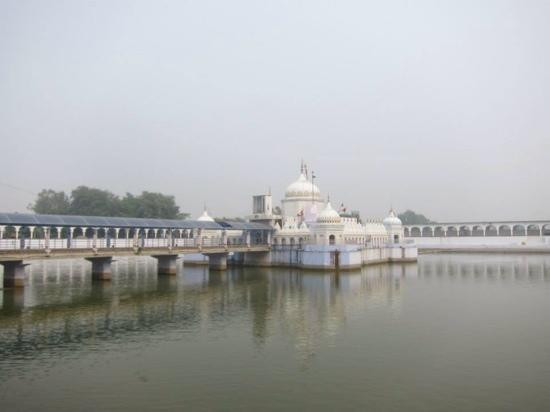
(481, 241)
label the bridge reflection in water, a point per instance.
(61, 310)
(456, 331)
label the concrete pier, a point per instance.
(217, 261)
(14, 273)
(101, 267)
(167, 264)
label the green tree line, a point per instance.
(412, 218)
(89, 201)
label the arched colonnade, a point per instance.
(534, 229)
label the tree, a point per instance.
(411, 218)
(89, 201)
(151, 205)
(50, 202)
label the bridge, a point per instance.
(100, 239)
(482, 228)
(483, 236)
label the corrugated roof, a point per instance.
(28, 219)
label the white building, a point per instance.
(310, 233)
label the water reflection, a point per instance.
(62, 310)
(486, 266)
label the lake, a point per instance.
(453, 332)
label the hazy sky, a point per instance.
(442, 107)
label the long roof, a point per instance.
(28, 219)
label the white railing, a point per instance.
(102, 243)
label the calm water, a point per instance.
(453, 332)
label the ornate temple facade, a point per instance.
(310, 233)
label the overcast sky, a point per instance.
(442, 107)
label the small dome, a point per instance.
(205, 217)
(392, 220)
(329, 215)
(302, 188)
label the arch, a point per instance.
(519, 230)
(89, 233)
(452, 231)
(283, 241)
(122, 233)
(533, 230)
(406, 232)
(275, 241)
(24, 232)
(427, 231)
(300, 242)
(439, 231)
(546, 230)
(151, 234)
(464, 231)
(9, 232)
(111, 233)
(478, 231)
(292, 241)
(491, 230)
(504, 230)
(101, 233)
(415, 232)
(331, 240)
(38, 233)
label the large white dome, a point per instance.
(303, 188)
(392, 220)
(329, 215)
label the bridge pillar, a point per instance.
(217, 261)
(14, 273)
(167, 264)
(101, 267)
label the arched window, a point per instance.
(331, 240)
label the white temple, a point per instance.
(310, 233)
